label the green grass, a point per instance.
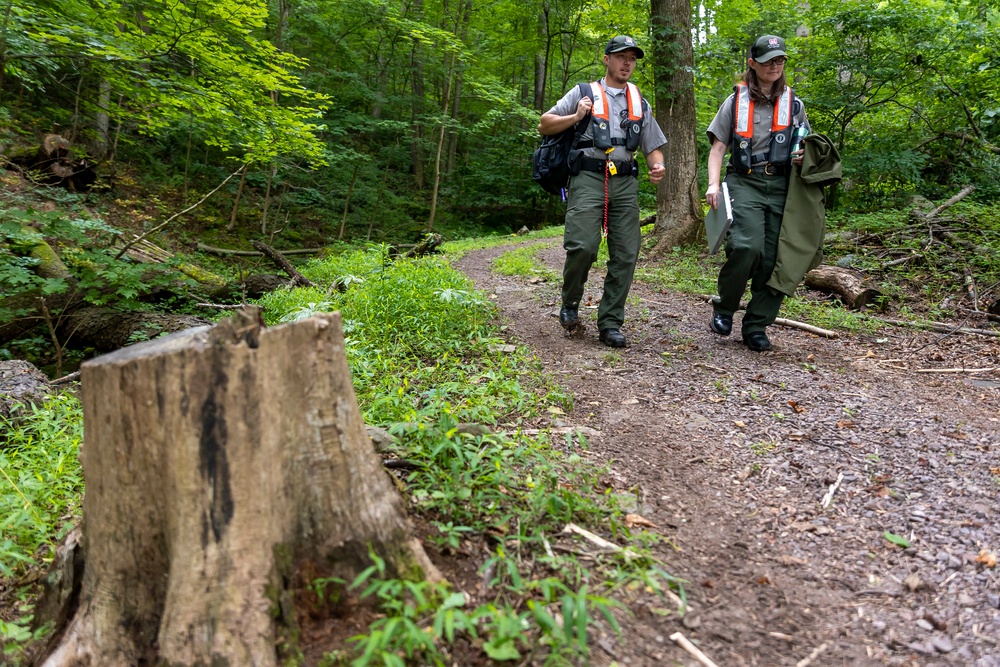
(523, 262)
(41, 486)
(456, 249)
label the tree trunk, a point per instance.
(678, 203)
(542, 59)
(417, 108)
(848, 284)
(103, 120)
(236, 202)
(222, 465)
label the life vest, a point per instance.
(779, 148)
(600, 124)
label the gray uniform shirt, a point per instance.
(763, 112)
(650, 137)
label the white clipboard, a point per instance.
(718, 220)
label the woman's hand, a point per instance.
(712, 196)
(797, 156)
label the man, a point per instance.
(604, 194)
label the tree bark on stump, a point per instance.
(220, 463)
(848, 284)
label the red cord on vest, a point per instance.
(604, 223)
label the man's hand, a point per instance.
(797, 156)
(712, 196)
(583, 107)
(657, 172)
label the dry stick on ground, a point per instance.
(794, 324)
(254, 253)
(285, 265)
(685, 644)
(970, 371)
(828, 498)
(938, 326)
(175, 216)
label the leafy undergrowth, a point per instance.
(429, 365)
(427, 360)
(41, 486)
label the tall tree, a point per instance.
(678, 200)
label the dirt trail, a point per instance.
(732, 453)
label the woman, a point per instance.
(756, 124)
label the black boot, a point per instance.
(721, 324)
(757, 341)
(569, 317)
(613, 338)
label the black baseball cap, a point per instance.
(623, 43)
(767, 47)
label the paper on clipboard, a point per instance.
(718, 220)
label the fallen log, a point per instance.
(918, 216)
(283, 263)
(848, 284)
(255, 253)
(428, 245)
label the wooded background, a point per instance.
(377, 120)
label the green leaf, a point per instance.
(501, 648)
(896, 539)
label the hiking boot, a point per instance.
(757, 341)
(613, 338)
(569, 317)
(721, 324)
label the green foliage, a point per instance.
(167, 65)
(40, 481)
(523, 261)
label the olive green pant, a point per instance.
(751, 249)
(582, 238)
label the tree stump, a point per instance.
(848, 284)
(221, 465)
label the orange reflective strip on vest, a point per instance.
(743, 120)
(634, 102)
(782, 116)
(601, 108)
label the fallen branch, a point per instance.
(254, 253)
(285, 265)
(685, 644)
(597, 540)
(939, 327)
(970, 371)
(828, 498)
(794, 324)
(930, 215)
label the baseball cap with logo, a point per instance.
(767, 47)
(623, 43)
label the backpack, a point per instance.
(550, 161)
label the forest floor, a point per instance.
(732, 452)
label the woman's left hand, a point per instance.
(797, 156)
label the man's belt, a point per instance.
(766, 169)
(624, 167)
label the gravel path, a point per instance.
(733, 454)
